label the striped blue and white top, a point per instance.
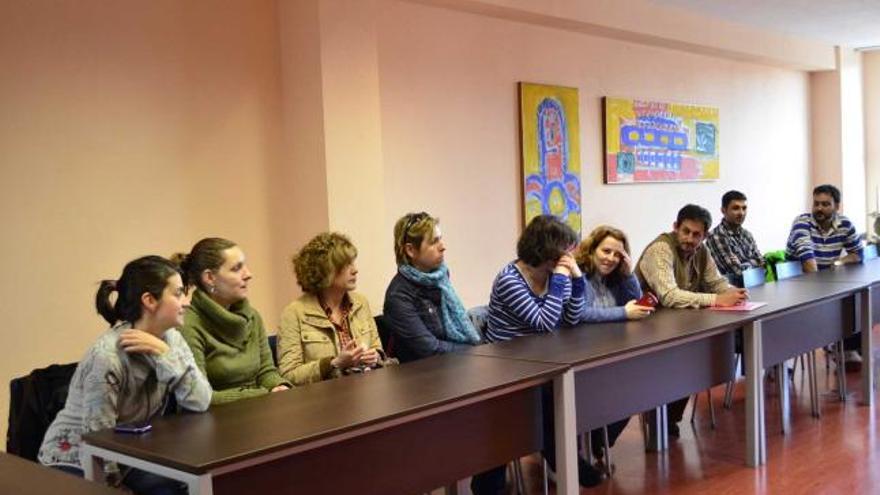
(807, 241)
(514, 310)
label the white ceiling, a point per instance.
(852, 23)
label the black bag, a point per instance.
(35, 401)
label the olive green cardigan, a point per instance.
(231, 349)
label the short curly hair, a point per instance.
(321, 259)
(546, 238)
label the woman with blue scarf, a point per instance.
(422, 310)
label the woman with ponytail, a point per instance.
(225, 333)
(127, 376)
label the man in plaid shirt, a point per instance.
(733, 248)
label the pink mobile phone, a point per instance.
(648, 299)
(135, 429)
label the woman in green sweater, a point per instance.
(226, 335)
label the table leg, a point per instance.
(566, 434)
(663, 424)
(656, 439)
(753, 355)
(203, 485)
(784, 397)
(866, 317)
(196, 484)
(91, 467)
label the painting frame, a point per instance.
(649, 141)
(550, 150)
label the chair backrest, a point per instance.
(273, 346)
(870, 252)
(385, 336)
(479, 316)
(789, 269)
(754, 277)
(35, 401)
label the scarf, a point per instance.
(455, 319)
(230, 325)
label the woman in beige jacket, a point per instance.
(329, 330)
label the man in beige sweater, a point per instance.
(680, 271)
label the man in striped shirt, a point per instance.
(733, 248)
(819, 238)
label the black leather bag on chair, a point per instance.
(35, 401)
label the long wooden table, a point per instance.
(798, 318)
(450, 416)
(867, 310)
(618, 369)
(22, 477)
(403, 429)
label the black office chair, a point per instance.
(273, 346)
(385, 336)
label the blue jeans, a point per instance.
(144, 483)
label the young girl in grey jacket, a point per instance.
(128, 375)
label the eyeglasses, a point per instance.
(413, 219)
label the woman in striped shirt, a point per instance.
(542, 289)
(539, 292)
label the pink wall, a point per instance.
(837, 114)
(872, 128)
(131, 128)
(825, 119)
(299, 187)
(449, 114)
(127, 128)
(852, 127)
(353, 134)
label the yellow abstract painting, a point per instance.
(551, 153)
(649, 141)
